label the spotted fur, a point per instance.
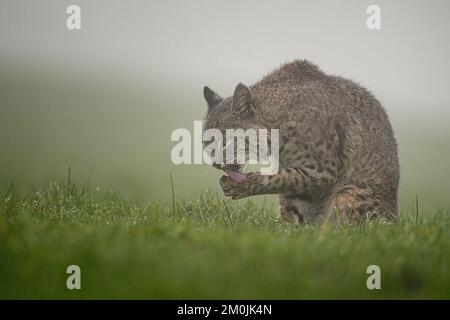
(338, 154)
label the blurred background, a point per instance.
(104, 100)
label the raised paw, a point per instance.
(239, 190)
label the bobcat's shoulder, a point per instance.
(296, 71)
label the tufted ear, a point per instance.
(211, 97)
(243, 100)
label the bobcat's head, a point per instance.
(236, 112)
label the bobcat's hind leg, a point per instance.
(353, 205)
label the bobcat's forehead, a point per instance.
(235, 112)
(220, 116)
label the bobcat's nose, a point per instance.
(217, 166)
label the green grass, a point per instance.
(206, 249)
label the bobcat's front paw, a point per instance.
(239, 190)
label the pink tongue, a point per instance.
(236, 176)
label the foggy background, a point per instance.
(105, 99)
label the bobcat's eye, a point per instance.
(208, 141)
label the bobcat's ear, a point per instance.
(243, 100)
(211, 97)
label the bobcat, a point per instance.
(338, 155)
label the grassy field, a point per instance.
(132, 242)
(209, 248)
